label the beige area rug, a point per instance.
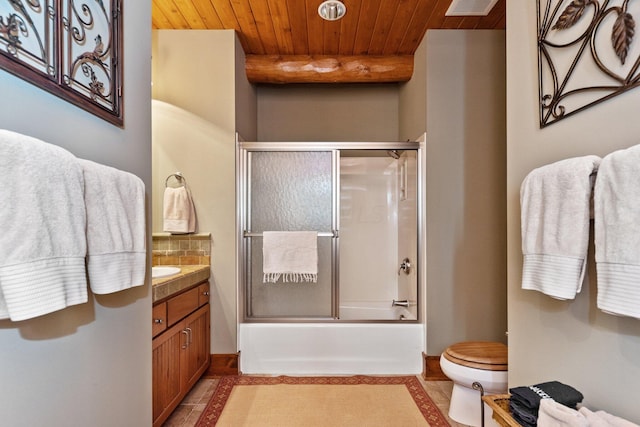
(362, 401)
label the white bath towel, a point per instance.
(42, 243)
(617, 232)
(179, 214)
(604, 419)
(292, 255)
(555, 201)
(593, 419)
(554, 414)
(116, 247)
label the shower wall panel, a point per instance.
(407, 228)
(368, 229)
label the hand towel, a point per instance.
(554, 414)
(604, 419)
(179, 215)
(42, 243)
(555, 201)
(116, 247)
(617, 232)
(530, 396)
(292, 255)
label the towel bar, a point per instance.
(320, 234)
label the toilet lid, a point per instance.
(487, 355)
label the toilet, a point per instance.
(464, 363)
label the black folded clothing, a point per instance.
(522, 422)
(523, 415)
(530, 396)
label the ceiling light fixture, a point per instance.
(332, 10)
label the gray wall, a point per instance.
(328, 112)
(463, 74)
(246, 104)
(199, 103)
(465, 164)
(570, 341)
(459, 79)
(90, 364)
(412, 120)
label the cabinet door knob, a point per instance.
(159, 321)
(205, 293)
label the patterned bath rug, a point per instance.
(284, 401)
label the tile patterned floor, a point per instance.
(188, 412)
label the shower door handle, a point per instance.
(405, 266)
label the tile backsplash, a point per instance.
(181, 249)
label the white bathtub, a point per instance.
(331, 348)
(374, 311)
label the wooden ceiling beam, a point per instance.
(280, 69)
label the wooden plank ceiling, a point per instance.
(285, 41)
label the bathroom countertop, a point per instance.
(164, 287)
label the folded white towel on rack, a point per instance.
(555, 202)
(116, 247)
(617, 232)
(292, 255)
(179, 214)
(604, 419)
(554, 414)
(42, 244)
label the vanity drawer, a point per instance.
(181, 305)
(203, 294)
(159, 317)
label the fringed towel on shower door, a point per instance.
(292, 255)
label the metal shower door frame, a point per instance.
(243, 214)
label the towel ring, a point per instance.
(178, 175)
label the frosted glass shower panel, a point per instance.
(290, 191)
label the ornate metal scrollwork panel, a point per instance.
(70, 48)
(25, 34)
(587, 53)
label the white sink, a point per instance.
(160, 271)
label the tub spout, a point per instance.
(401, 303)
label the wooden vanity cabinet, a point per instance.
(181, 353)
(196, 361)
(159, 318)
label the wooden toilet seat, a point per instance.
(486, 355)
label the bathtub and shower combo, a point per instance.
(362, 316)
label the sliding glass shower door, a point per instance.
(290, 191)
(362, 200)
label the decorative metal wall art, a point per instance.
(70, 48)
(586, 54)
